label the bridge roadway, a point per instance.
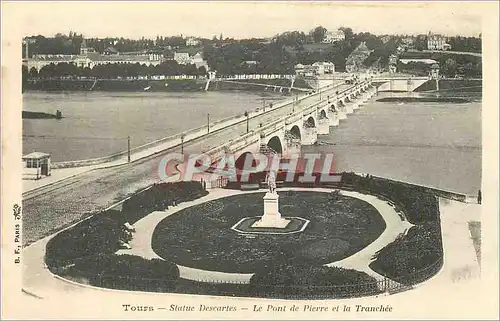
(49, 209)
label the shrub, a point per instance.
(128, 272)
(303, 280)
(410, 259)
(419, 203)
(159, 197)
(98, 234)
(101, 233)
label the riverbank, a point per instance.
(463, 85)
(423, 100)
(167, 85)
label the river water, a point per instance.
(437, 145)
(97, 124)
(433, 144)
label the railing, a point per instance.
(183, 137)
(245, 288)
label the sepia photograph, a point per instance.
(255, 160)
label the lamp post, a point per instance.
(246, 115)
(208, 123)
(264, 104)
(182, 143)
(128, 149)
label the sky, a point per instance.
(242, 19)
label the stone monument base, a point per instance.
(272, 217)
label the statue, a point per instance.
(271, 181)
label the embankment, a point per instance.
(159, 85)
(423, 100)
(115, 85)
(276, 85)
(463, 85)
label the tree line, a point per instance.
(111, 71)
(248, 56)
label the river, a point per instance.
(97, 124)
(437, 145)
(433, 144)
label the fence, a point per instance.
(245, 288)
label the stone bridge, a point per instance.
(300, 127)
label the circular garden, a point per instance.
(201, 236)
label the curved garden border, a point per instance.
(386, 283)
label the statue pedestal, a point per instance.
(272, 217)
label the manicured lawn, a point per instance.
(201, 236)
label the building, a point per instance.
(331, 37)
(192, 42)
(322, 68)
(36, 165)
(316, 69)
(198, 61)
(88, 58)
(304, 70)
(437, 42)
(182, 58)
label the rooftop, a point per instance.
(36, 155)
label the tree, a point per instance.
(33, 73)
(318, 33)
(450, 67)
(347, 32)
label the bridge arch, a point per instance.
(333, 107)
(295, 132)
(310, 122)
(322, 114)
(275, 144)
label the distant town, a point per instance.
(289, 53)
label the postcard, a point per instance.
(249, 160)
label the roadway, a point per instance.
(54, 207)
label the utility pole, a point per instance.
(182, 144)
(246, 115)
(128, 148)
(264, 104)
(208, 123)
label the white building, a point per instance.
(182, 58)
(437, 42)
(331, 37)
(88, 58)
(316, 69)
(192, 42)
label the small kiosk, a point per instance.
(37, 164)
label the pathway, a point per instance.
(39, 281)
(141, 243)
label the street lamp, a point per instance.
(208, 123)
(182, 144)
(264, 104)
(246, 115)
(128, 149)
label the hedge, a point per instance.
(128, 272)
(302, 280)
(412, 258)
(160, 197)
(419, 203)
(99, 236)
(418, 255)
